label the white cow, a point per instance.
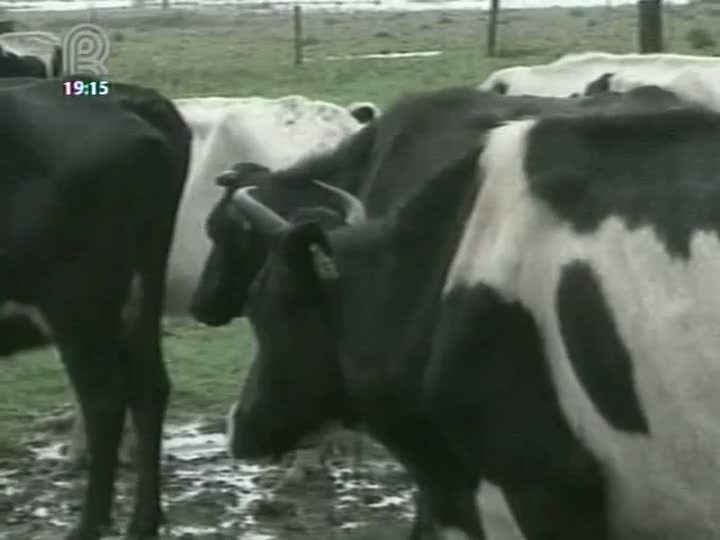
(44, 46)
(271, 132)
(570, 74)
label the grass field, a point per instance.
(236, 53)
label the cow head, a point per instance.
(238, 249)
(500, 87)
(236, 255)
(294, 390)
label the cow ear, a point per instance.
(308, 252)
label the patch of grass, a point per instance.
(206, 366)
(30, 384)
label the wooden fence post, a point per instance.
(492, 27)
(297, 29)
(650, 26)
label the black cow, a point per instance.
(30, 54)
(15, 65)
(88, 197)
(427, 129)
(346, 319)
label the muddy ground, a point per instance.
(210, 497)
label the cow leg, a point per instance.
(150, 392)
(547, 513)
(571, 506)
(307, 461)
(445, 503)
(128, 444)
(77, 446)
(349, 446)
(453, 510)
(422, 527)
(148, 405)
(100, 380)
(445, 514)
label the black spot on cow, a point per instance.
(596, 350)
(648, 168)
(490, 385)
(500, 88)
(599, 85)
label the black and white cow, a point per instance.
(356, 325)
(30, 54)
(572, 74)
(73, 209)
(695, 84)
(578, 327)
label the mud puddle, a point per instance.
(208, 496)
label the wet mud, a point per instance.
(208, 496)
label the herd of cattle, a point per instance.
(509, 286)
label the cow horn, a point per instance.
(264, 218)
(354, 208)
(226, 178)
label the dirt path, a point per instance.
(210, 497)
